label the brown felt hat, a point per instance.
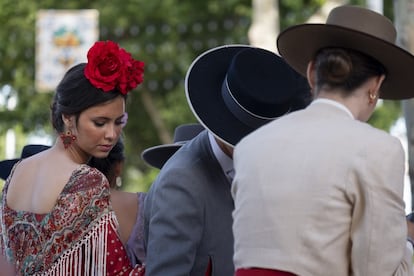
(354, 28)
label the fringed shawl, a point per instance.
(87, 256)
(77, 237)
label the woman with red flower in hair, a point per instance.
(56, 216)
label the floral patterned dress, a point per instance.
(77, 237)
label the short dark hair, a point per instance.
(74, 94)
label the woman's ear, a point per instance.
(377, 84)
(374, 88)
(67, 120)
(310, 74)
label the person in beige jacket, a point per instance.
(319, 191)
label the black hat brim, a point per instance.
(157, 156)
(6, 166)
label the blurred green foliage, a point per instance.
(167, 35)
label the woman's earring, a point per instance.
(372, 97)
(67, 138)
(118, 181)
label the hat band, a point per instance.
(245, 116)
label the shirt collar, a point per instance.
(226, 163)
(334, 103)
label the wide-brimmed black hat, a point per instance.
(28, 150)
(354, 28)
(157, 156)
(234, 89)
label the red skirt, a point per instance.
(261, 272)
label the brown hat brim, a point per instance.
(298, 45)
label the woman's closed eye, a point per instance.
(99, 123)
(102, 123)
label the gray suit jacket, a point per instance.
(188, 215)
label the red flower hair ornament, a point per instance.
(110, 67)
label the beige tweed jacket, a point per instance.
(319, 193)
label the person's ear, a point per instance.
(310, 74)
(374, 88)
(67, 120)
(377, 83)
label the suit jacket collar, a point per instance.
(226, 163)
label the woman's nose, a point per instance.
(112, 131)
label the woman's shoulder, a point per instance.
(85, 177)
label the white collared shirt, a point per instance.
(226, 163)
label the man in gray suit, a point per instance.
(232, 90)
